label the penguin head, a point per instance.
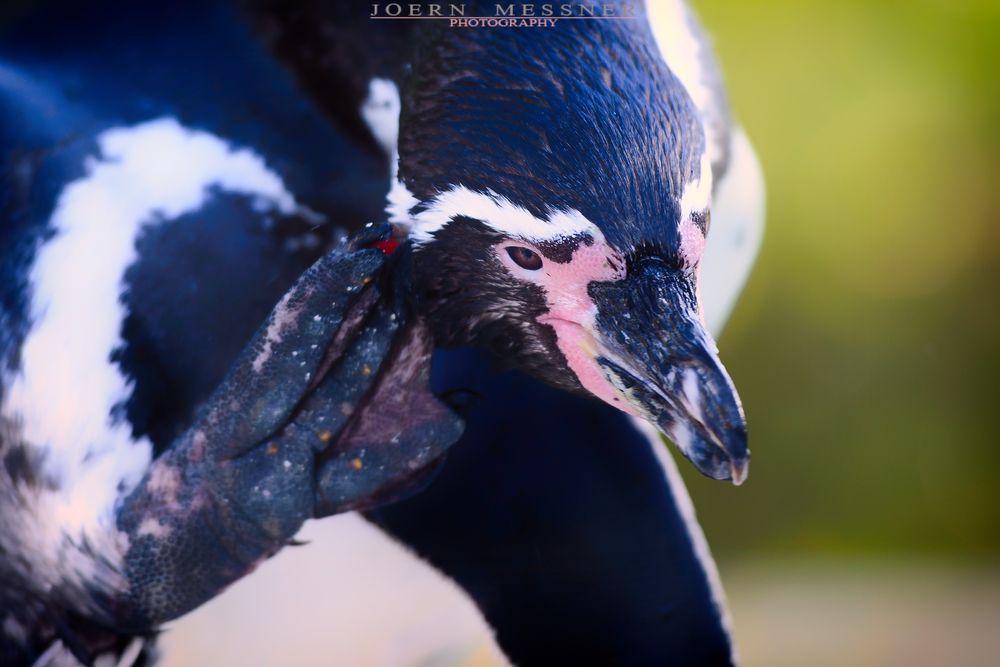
(558, 204)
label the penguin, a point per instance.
(553, 193)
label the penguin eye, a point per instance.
(525, 257)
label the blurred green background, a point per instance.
(866, 346)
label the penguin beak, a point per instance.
(653, 348)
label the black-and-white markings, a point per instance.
(63, 395)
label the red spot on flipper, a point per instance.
(387, 246)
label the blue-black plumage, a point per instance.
(554, 185)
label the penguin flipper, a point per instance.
(314, 418)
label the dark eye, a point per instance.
(525, 257)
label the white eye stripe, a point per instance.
(495, 211)
(697, 195)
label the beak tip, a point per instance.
(739, 471)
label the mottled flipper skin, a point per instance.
(309, 422)
(192, 297)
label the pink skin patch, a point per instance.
(571, 310)
(692, 243)
(692, 248)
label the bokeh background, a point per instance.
(866, 346)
